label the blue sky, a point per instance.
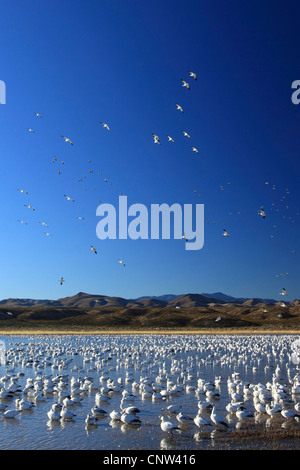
(80, 63)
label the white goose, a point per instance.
(66, 139)
(185, 84)
(105, 125)
(200, 421)
(168, 426)
(217, 419)
(130, 419)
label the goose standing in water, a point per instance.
(200, 421)
(168, 426)
(217, 419)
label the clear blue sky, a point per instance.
(120, 62)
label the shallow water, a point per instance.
(182, 359)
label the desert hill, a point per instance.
(191, 311)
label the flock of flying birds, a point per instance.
(68, 198)
(261, 211)
(156, 139)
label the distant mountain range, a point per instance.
(84, 300)
(216, 295)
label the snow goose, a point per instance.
(200, 421)
(130, 419)
(168, 426)
(217, 419)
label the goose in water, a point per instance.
(204, 405)
(242, 413)
(168, 426)
(130, 419)
(67, 415)
(131, 410)
(90, 420)
(115, 415)
(53, 415)
(233, 407)
(200, 421)
(286, 413)
(273, 410)
(98, 412)
(184, 418)
(217, 419)
(174, 409)
(10, 414)
(260, 407)
(23, 404)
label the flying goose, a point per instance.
(67, 139)
(192, 74)
(156, 139)
(283, 292)
(186, 134)
(105, 125)
(185, 84)
(68, 198)
(29, 207)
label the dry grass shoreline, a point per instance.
(152, 331)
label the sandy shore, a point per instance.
(88, 331)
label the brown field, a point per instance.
(150, 320)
